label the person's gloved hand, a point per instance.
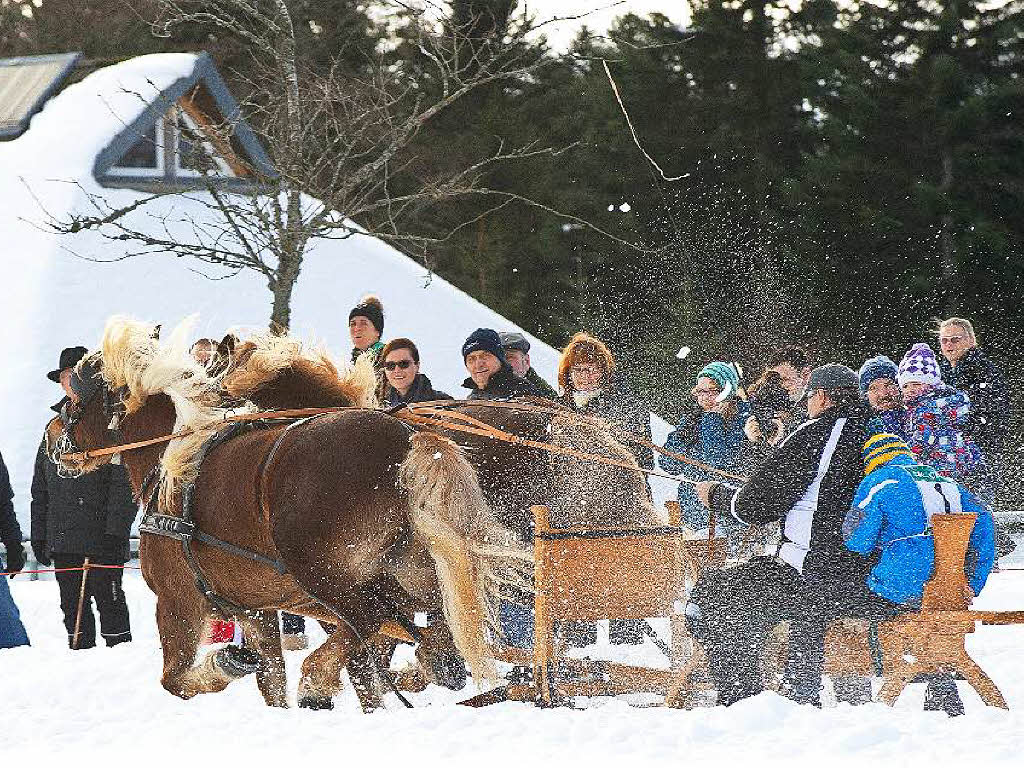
(15, 557)
(39, 552)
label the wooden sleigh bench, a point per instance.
(590, 574)
(932, 640)
(583, 575)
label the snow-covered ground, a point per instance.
(108, 702)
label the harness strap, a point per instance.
(437, 407)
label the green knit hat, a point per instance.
(724, 375)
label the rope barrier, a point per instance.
(80, 568)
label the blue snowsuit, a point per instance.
(891, 512)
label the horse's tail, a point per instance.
(474, 554)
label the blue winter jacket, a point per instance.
(709, 439)
(891, 512)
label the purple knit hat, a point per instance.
(919, 364)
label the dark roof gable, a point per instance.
(205, 76)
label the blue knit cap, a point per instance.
(486, 340)
(880, 367)
(724, 375)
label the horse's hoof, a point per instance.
(316, 702)
(450, 671)
(236, 662)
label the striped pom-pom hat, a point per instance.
(881, 448)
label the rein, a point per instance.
(437, 413)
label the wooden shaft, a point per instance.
(81, 604)
(946, 589)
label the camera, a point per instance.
(768, 397)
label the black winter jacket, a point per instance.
(988, 422)
(10, 531)
(421, 391)
(89, 515)
(808, 484)
(543, 388)
(504, 384)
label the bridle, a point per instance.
(86, 382)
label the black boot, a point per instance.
(941, 695)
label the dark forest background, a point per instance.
(848, 171)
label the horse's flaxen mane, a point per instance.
(290, 373)
(134, 358)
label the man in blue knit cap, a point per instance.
(490, 375)
(879, 387)
(891, 519)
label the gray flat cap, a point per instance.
(833, 376)
(514, 341)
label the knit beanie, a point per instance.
(723, 374)
(486, 340)
(880, 367)
(920, 365)
(370, 308)
(881, 448)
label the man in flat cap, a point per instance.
(517, 353)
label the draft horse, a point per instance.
(330, 505)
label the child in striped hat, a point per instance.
(891, 517)
(935, 421)
(892, 512)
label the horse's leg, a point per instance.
(321, 670)
(181, 615)
(366, 670)
(263, 635)
(437, 657)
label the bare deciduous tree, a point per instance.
(341, 142)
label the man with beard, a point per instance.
(879, 387)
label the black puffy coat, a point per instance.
(10, 531)
(504, 384)
(89, 515)
(988, 422)
(421, 391)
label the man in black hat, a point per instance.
(517, 353)
(490, 375)
(83, 517)
(808, 485)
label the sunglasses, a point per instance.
(403, 364)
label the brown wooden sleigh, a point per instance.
(580, 575)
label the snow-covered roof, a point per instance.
(54, 298)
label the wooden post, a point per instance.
(81, 604)
(675, 515)
(543, 624)
(946, 589)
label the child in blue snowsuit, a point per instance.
(891, 516)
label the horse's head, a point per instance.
(89, 420)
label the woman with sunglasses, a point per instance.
(403, 381)
(711, 432)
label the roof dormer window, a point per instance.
(189, 136)
(146, 155)
(192, 154)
